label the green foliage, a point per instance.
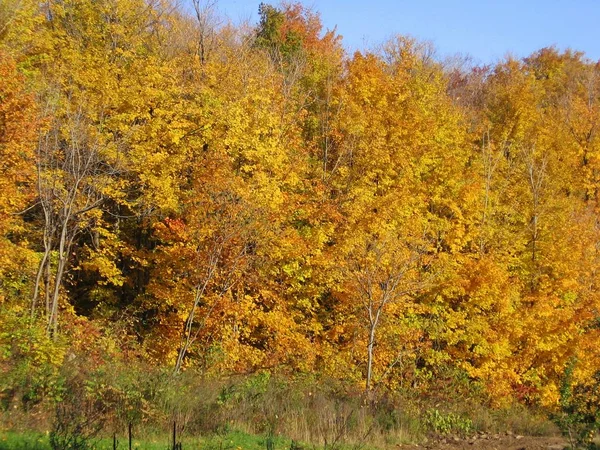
(447, 423)
(30, 362)
(579, 412)
(252, 389)
(295, 446)
(272, 36)
(80, 415)
(269, 29)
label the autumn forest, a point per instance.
(180, 193)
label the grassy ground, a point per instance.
(231, 441)
(18, 441)
(514, 421)
(238, 414)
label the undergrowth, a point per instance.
(91, 403)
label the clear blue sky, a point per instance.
(484, 29)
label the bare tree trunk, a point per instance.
(67, 234)
(63, 255)
(215, 258)
(536, 174)
(206, 24)
(66, 191)
(375, 311)
(40, 273)
(47, 281)
(489, 166)
(379, 286)
(52, 326)
(187, 334)
(48, 238)
(370, 348)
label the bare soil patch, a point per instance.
(495, 442)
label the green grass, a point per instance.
(234, 440)
(23, 441)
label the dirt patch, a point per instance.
(494, 442)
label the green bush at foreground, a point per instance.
(579, 414)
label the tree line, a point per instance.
(231, 199)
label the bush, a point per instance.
(579, 413)
(29, 362)
(79, 414)
(447, 423)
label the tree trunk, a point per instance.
(40, 273)
(64, 248)
(370, 348)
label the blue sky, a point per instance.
(485, 29)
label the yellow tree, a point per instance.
(527, 267)
(398, 195)
(77, 55)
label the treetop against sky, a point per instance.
(486, 30)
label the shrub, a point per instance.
(446, 423)
(29, 362)
(579, 412)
